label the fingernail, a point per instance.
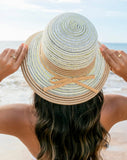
(102, 48)
(25, 45)
(22, 44)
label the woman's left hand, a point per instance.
(11, 59)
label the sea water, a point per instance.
(14, 89)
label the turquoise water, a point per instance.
(13, 88)
(117, 46)
(15, 44)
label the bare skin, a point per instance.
(117, 61)
(19, 119)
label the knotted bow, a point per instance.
(62, 81)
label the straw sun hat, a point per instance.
(64, 64)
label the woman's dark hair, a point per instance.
(70, 132)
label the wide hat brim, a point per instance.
(38, 77)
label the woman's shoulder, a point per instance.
(114, 110)
(14, 117)
(31, 114)
(25, 113)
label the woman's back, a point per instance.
(110, 109)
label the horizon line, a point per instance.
(25, 40)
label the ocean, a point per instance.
(14, 88)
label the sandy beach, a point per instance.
(118, 145)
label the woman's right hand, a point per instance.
(11, 59)
(117, 61)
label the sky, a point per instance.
(21, 18)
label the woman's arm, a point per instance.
(114, 110)
(18, 120)
(115, 106)
(12, 117)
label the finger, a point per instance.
(3, 54)
(105, 51)
(107, 54)
(10, 53)
(111, 62)
(117, 57)
(122, 55)
(22, 55)
(112, 50)
(113, 53)
(120, 58)
(10, 61)
(18, 51)
(118, 53)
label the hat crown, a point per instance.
(64, 64)
(70, 41)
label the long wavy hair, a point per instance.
(70, 132)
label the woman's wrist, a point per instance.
(2, 76)
(125, 78)
(1, 79)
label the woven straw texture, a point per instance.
(67, 49)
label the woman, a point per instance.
(56, 131)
